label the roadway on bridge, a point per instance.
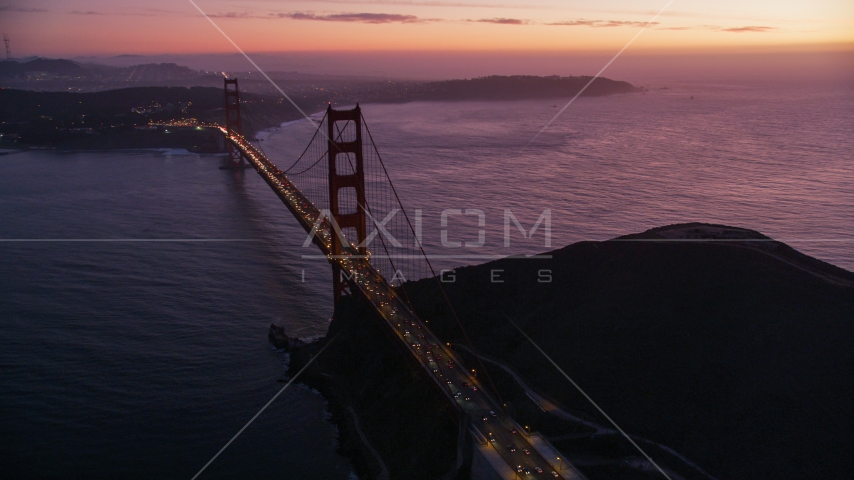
(501, 431)
(488, 419)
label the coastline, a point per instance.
(114, 119)
(372, 389)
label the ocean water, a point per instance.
(778, 159)
(140, 359)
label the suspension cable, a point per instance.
(307, 169)
(367, 208)
(320, 124)
(432, 271)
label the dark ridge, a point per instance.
(723, 359)
(734, 353)
(523, 86)
(204, 103)
(365, 373)
(106, 119)
(54, 66)
(721, 233)
(110, 119)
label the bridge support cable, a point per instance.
(377, 202)
(308, 215)
(430, 266)
(307, 147)
(462, 389)
(312, 173)
(375, 194)
(468, 394)
(373, 199)
(312, 170)
(366, 207)
(322, 186)
(339, 186)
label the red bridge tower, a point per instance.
(232, 123)
(346, 186)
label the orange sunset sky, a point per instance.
(102, 27)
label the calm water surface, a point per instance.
(778, 160)
(141, 359)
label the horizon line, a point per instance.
(789, 48)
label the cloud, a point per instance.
(234, 15)
(15, 8)
(615, 23)
(434, 3)
(600, 23)
(502, 21)
(149, 13)
(756, 29)
(751, 28)
(373, 18)
(575, 23)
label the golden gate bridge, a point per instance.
(343, 184)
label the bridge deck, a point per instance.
(495, 429)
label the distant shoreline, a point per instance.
(113, 119)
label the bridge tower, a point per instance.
(346, 186)
(232, 122)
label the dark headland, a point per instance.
(726, 356)
(119, 118)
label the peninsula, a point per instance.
(120, 118)
(716, 348)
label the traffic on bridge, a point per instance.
(505, 444)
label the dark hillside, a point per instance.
(378, 394)
(127, 106)
(736, 354)
(107, 119)
(523, 86)
(10, 68)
